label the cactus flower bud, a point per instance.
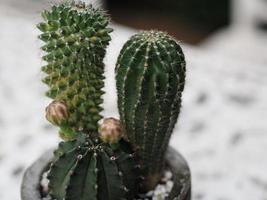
(111, 130)
(56, 112)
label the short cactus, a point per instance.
(150, 76)
(86, 169)
(76, 36)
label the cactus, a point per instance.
(76, 36)
(86, 169)
(150, 76)
(99, 161)
(89, 164)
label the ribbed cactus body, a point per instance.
(76, 37)
(84, 169)
(150, 76)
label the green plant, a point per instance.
(102, 161)
(150, 75)
(85, 169)
(76, 37)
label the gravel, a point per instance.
(160, 193)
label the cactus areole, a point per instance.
(108, 159)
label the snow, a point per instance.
(222, 130)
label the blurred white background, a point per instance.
(222, 130)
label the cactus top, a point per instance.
(76, 37)
(152, 36)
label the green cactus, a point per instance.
(76, 36)
(150, 76)
(95, 161)
(86, 169)
(84, 166)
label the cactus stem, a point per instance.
(150, 78)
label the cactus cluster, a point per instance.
(150, 75)
(112, 159)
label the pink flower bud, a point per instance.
(111, 130)
(57, 112)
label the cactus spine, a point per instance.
(84, 169)
(76, 37)
(150, 76)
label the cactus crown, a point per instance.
(150, 75)
(95, 162)
(76, 37)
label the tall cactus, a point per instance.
(76, 36)
(85, 169)
(150, 76)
